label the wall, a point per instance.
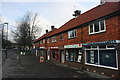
(110, 34)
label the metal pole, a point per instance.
(7, 31)
(6, 40)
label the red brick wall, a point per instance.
(66, 41)
(119, 26)
(110, 34)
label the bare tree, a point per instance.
(26, 29)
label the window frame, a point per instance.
(98, 65)
(70, 33)
(53, 39)
(61, 35)
(93, 24)
(41, 41)
(48, 40)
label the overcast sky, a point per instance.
(51, 12)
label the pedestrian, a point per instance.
(6, 53)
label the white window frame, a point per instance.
(40, 41)
(54, 40)
(75, 32)
(43, 40)
(98, 65)
(99, 28)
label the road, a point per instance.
(29, 67)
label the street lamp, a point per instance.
(6, 38)
(7, 30)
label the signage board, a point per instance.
(73, 46)
(103, 42)
(53, 47)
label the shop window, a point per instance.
(70, 55)
(92, 57)
(53, 55)
(111, 46)
(72, 34)
(94, 47)
(78, 56)
(73, 55)
(67, 55)
(88, 47)
(54, 39)
(102, 46)
(108, 58)
(97, 27)
(105, 58)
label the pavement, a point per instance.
(28, 66)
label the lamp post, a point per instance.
(7, 30)
(6, 39)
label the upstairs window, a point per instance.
(97, 27)
(61, 37)
(72, 34)
(48, 40)
(54, 39)
(40, 41)
(43, 40)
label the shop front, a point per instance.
(54, 54)
(62, 54)
(41, 51)
(73, 55)
(102, 57)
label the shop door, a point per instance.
(62, 57)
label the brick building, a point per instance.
(90, 41)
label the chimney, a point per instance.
(77, 13)
(52, 27)
(47, 31)
(104, 1)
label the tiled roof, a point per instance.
(45, 35)
(95, 13)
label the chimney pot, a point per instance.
(52, 27)
(47, 31)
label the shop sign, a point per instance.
(104, 42)
(53, 47)
(73, 46)
(42, 47)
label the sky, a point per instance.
(51, 12)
